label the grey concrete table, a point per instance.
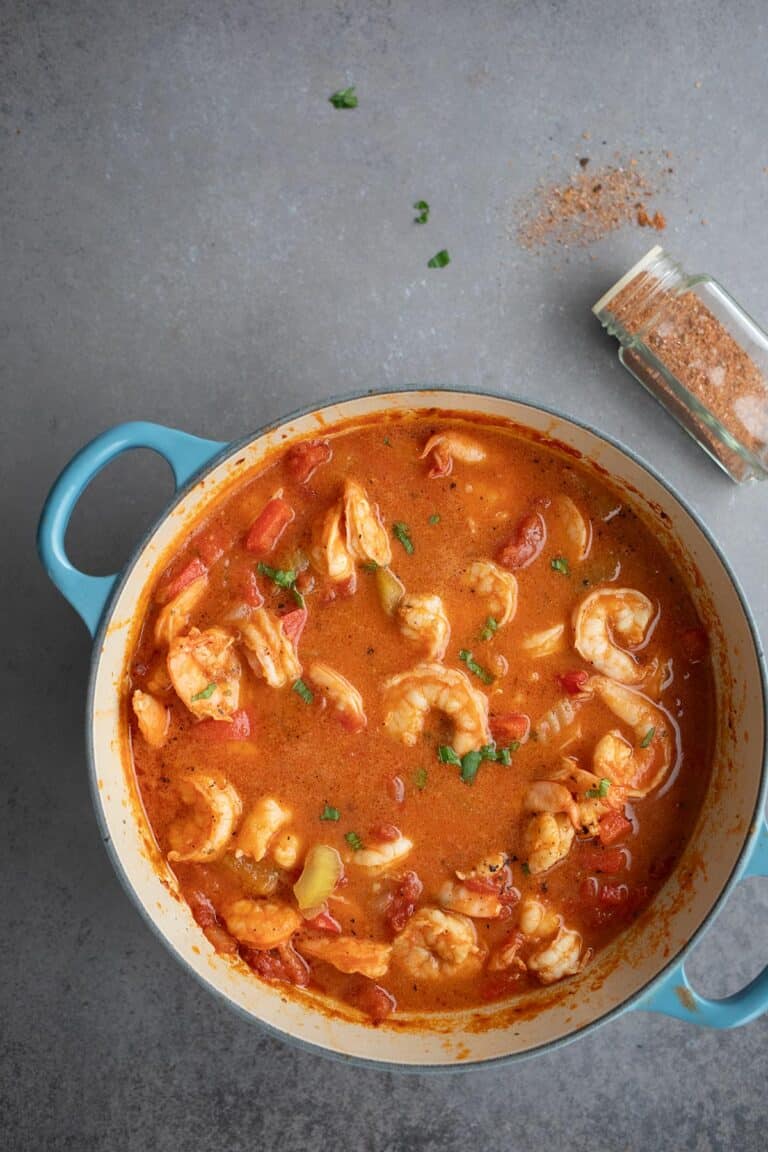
(191, 234)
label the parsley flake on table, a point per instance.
(440, 259)
(422, 208)
(344, 98)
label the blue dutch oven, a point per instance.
(645, 969)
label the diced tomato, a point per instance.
(324, 922)
(386, 832)
(191, 571)
(396, 789)
(269, 526)
(352, 722)
(341, 591)
(281, 965)
(588, 889)
(248, 586)
(374, 1000)
(526, 542)
(212, 544)
(220, 731)
(293, 624)
(402, 905)
(614, 826)
(303, 459)
(608, 860)
(695, 645)
(574, 681)
(614, 895)
(508, 727)
(206, 917)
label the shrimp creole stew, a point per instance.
(421, 716)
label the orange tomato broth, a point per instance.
(299, 752)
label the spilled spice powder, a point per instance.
(592, 204)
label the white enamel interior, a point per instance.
(601, 988)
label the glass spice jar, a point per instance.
(699, 354)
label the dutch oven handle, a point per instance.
(674, 996)
(186, 455)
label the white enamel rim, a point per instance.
(648, 950)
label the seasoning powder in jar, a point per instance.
(699, 353)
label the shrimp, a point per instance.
(587, 788)
(549, 833)
(153, 717)
(537, 920)
(268, 650)
(609, 612)
(640, 769)
(205, 672)
(410, 696)
(329, 554)
(447, 447)
(383, 854)
(174, 617)
(549, 796)
(559, 717)
(544, 643)
(547, 840)
(261, 924)
(343, 695)
(260, 825)
(577, 528)
(497, 587)
(366, 538)
(423, 619)
(561, 957)
(286, 850)
(203, 833)
(349, 954)
(436, 945)
(484, 892)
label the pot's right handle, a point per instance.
(674, 996)
(186, 455)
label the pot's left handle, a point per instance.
(186, 455)
(674, 996)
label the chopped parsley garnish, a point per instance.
(600, 792)
(446, 755)
(387, 442)
(477, 669)
(284, 578)
(402, 533)
(353, 840)
(440, 259)
(422, 208)
(420, 779)
(205, 694)
(526, 869)
(470, 763)
(329, 813)
(371, 566)
(647, 738)
(301, 689)
(560, 564)
(345, 98)
(434, 518)
(491, 626)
